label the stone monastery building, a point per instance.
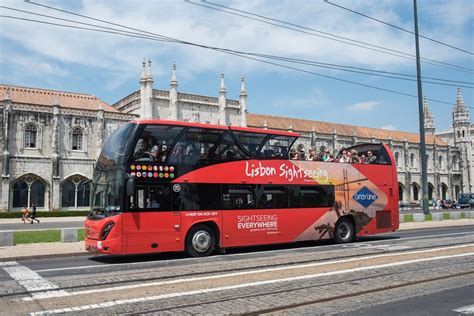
(50, 140)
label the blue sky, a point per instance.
(108, 66)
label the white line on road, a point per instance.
(468, 310)
(33, 282)
(243, 285)
(238, 254)
(309, 265)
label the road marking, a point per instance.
(8, 263)
(33, 282)
(468, 310)
(243, 285)
(242, 254)
(233, 274)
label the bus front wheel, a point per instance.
(200, 241)
(344, 231)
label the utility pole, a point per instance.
(424, 175)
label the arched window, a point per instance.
(31, 134)
(455, 163)
(396, 158)
(77, 139)
(83, 194)
(412, 160)
(68, 194)
(28, 192)
(20, 194)
(427, 161)
(37, 193)
(459, 134)
(463, 133)
(75, 192)
(440, 162)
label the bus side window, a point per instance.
(227, 150)
(155, 142)
(194, 146)
(153, 197)
(272, 196)
(238, 196)
(196, 196)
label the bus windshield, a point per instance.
(109, 173)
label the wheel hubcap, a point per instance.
(344, 231)
(201, 241)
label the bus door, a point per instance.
(151, 225)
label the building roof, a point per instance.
(47, 97)
(300, 125)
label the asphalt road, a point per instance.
(429, 271)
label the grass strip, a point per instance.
(428, 217)
(446, 216)
(81, 234)
(408, 218)
(30, 237)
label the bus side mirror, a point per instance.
(131, 186)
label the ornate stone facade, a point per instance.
(50, 142)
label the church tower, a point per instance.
(462, 140)
(146, 91)
(428, 118)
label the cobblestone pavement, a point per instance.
(324, 280)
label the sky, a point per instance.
(108, 65)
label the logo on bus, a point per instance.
(365, 197)
(176, 188)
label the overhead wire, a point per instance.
(223, 50)
(286, 59)
(326, 35)
(397, 27)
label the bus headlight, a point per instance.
(106, 230)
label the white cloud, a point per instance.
(363, 106)
(389, 127)
(192, 23)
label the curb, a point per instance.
(46, 256)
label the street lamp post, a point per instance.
(424, 176)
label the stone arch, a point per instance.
(75, 191)
(416, 191)
(401, 191)
(29, 189)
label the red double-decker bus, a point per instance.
(163, 186)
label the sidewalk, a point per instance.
(45, 250)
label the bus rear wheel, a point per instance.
(344, 231)
(200, 241)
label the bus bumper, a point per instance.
(111, 246)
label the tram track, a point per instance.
(149, 279)
(316, 301)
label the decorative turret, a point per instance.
(461, 120)
(146, 91)
(222, 102)
(428, 118)
(243, 103)
(173, 115)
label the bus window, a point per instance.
(193, 147)
(195, 197)
(155, 142)
(250, 141)
(236, 196)
(273, 196)
(312, 196)
(277, 147)
(152, 197)
(227, 150)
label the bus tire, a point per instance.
(344, 232)
(200, 241)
